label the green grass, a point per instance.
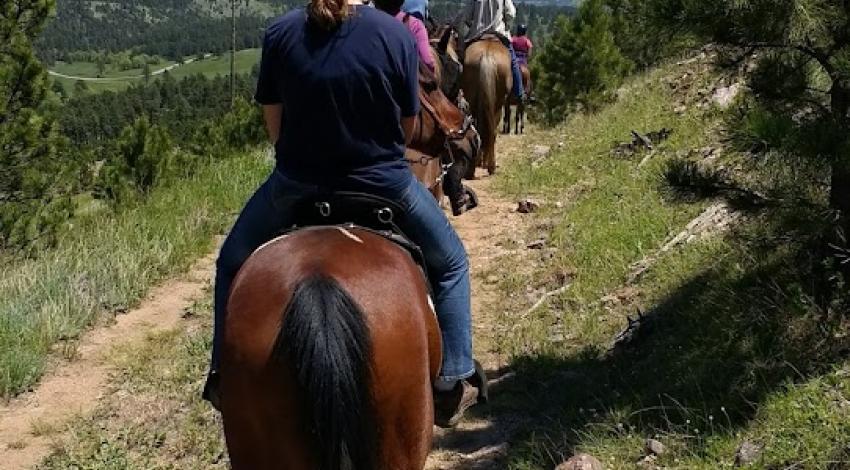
(107, 262)
(152, 417)
(219, 65)
(89, 69)
(732, 347)
(120, 80)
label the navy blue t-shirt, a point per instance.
(344, 93)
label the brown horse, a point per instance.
(519, 125)
(486, 81)
(448, 66)
(330, 351)
(443, 147)
(429, 170)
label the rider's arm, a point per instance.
(510, 12)
(273, 114)
(269, 91)
(420, 34)
(407, 94)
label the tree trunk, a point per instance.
(839, 196)
(232, 53)
(839, 192)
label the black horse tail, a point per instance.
(326, 340)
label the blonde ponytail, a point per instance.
(328, 14)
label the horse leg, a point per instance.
(491, 157)
(506, 126)
(520, 119)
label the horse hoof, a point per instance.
(472, 198)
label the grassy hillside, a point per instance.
(108, 262)
(730, 349)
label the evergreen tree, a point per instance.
(804, 63)
(58, 89)
(143, 156)
(580, 64)
(30, 177)
(80, 88)
(639, 34)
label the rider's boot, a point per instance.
(450, 406)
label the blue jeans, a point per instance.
(517, 89)
(270, 210)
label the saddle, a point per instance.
(490, 37)
(363, 211)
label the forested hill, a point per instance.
(175, 29)
(168, 28)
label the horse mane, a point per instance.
(326, 341)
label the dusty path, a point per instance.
(75, 387)
(481, 443)
(30, 423)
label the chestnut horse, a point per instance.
(330, 351)
(486, 81)
(443, 147)
(519, 125)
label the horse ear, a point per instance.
(443, 45)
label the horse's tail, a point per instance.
(326, 340)
(488, 70)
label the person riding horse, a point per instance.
(417, 28)
(416, 8)
(339, 88)
(522, 45)
(492, 17)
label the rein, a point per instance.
(451, 134)
(426, 160)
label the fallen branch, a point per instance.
(543, 299)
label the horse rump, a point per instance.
(326, 341)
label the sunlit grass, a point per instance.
(107, 262)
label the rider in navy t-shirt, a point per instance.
(339, 89)
(342, 120)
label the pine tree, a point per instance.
(802, 43)
(580, 64)
(30, 176)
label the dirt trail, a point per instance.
(30, 423)
(483, 443)
(74, 388)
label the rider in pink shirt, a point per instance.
(522, 44)
(414, 25)
(420, 35)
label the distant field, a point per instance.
(219, 65)
(119, 80)
(89, 69)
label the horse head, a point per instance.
(462, 149)
(445, 45)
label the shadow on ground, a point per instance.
(701, 362)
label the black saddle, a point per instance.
(374, 214)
